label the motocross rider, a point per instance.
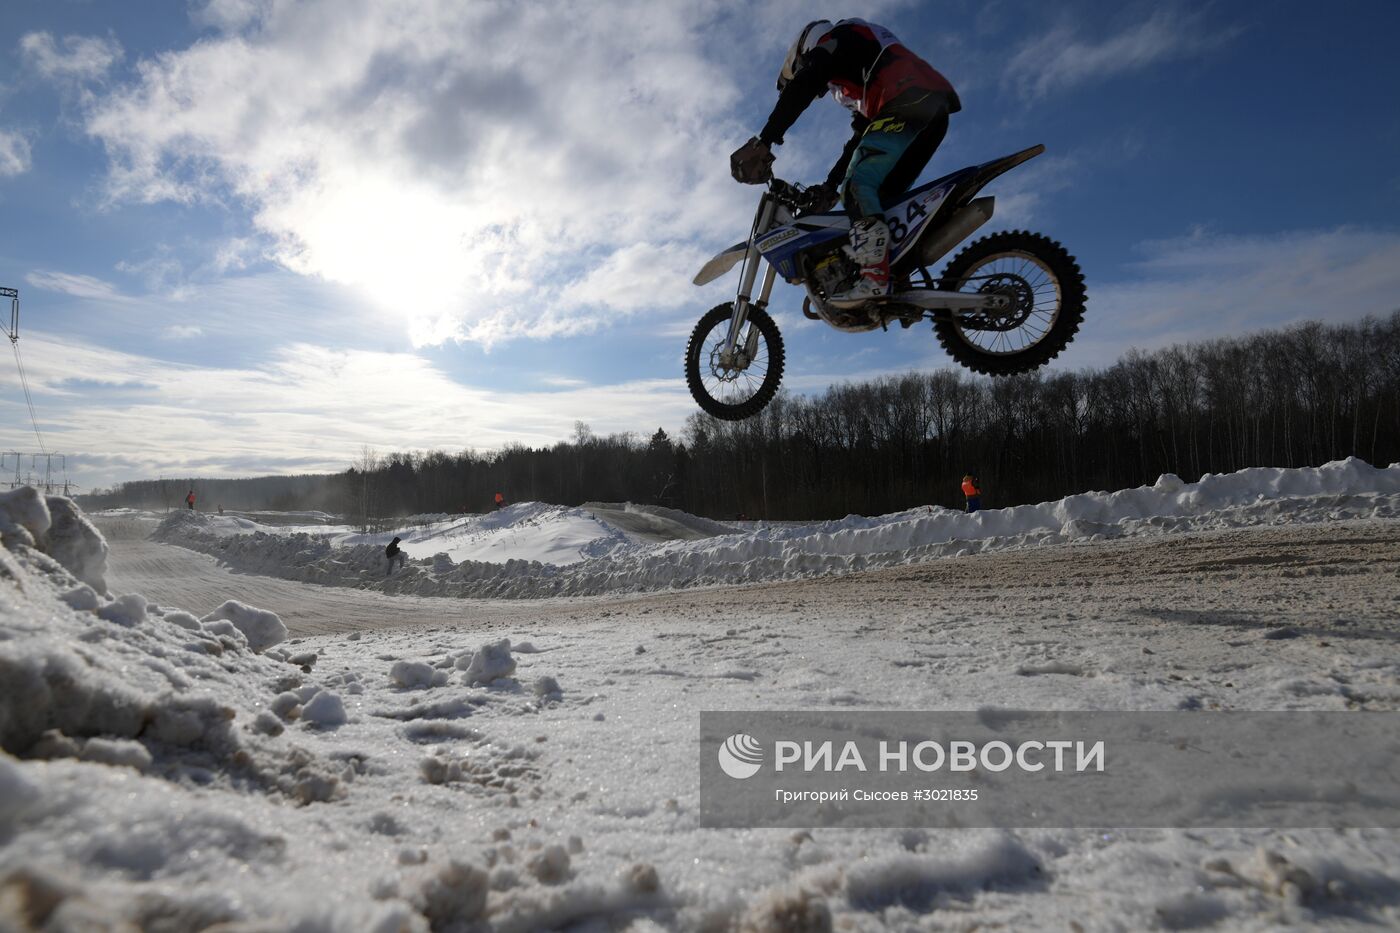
(900, 107)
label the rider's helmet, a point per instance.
(806, 39)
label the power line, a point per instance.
(28, 399)
(13, 334)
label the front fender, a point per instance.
(721, 264)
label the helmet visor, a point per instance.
(805, 40)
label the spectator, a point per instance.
(189, 500)
(972, 492)
(394, 553)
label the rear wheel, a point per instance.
(1045, 292)
(739, 387)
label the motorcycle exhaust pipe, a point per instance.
(964, 222)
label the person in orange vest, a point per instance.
(500, 501)
(189, 500)
(972, 492)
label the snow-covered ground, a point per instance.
(521, 765)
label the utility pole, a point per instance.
(48, 469)
(18, 481)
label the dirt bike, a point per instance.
(1008, 303)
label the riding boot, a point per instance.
(869, 246)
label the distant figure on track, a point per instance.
(189, 500)
(500, 501)
(972, 492)
(394, 553)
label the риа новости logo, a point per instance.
(740, 756)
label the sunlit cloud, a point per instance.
(477, 196)
(308, 408)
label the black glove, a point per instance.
(752, 163)
(819, 199)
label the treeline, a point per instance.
(1294, 397)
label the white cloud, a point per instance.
(80, 58)
(1022, 192)
(79, 286)
(308, 408)
(1207, 285)
(1062, 59)
(236, 254)
(461, 164)
(14, 154)
(183, 332)
(231, 14)
(160, 272)
(638, 277)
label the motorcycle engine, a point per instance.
(829, 268)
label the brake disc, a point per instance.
(1020, 303)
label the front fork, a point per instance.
(743, 300)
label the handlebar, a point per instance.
(786, 192)
(794, 197)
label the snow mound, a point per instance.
(917, 881)
(535, 550)
(325, 709)
(489, 663)
(24, 516)
(411, 674)
(56, 526)
(75, 543)
(261, 628)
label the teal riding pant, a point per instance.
(892, 152)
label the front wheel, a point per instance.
(1045, 292)
(740, 386)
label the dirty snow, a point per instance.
(159, 771)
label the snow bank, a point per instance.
(620, 561)
(112, 681)
(655, 522)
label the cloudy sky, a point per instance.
(251, 236)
